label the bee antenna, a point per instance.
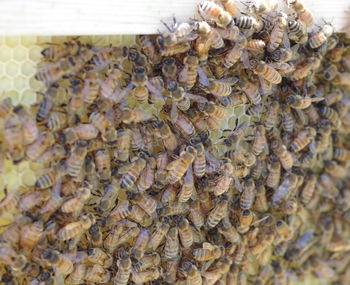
(166, 25)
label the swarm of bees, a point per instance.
(171, 197)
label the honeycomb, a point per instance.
(19, 56)
(18, 59)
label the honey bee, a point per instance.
(261, 204)
(56, 121)
(148, 261)
(208, 252)
(297, 31)
(95, 233)
(53, 52)
(213, 12)
(259, 140)
(289, 182)
(173, 209)
(140, 216)
(99, 121)
(185, 231)
(246, 22)
(303, 138)
(193, 275)
(157, 237)
(169, 68)
(188, 75)
(187, 189)
(76, 160)
(175, 49)
(272, 115)
(341, 154)
(6, 107)
(267, 72)
(59, 262)
(304, 14)
(124, 270)
(122, 153)
(103, 165)
(146, 202)
(73, 229)
(99, 256)
(13, 136)
(274, 175)
(278, 32)
(177, 168)
(169, 139)
(237, 52)
(329, 113)
(30, 236)
(50, 72)
(230, 6)
(134, 115)
(149, 49)
(104, 56)
(168, 195)
(245, 219)
(76, 204)
(280, 276)
(78, 274)
(146, 276)
(305, 68)
(147, 176)
(256, 170)
(91, 87)
(218, 212)
(251, 91)
(29, 128)
(335, 169)
(129, 178)
(199, 164)
(140, 86)
(318, 39)
(185, 126)
(196, 215)
(248, 194)
(172, 244)
(110, 86)
(299, 102)
(97, 274)
(179, 33)
(37, 148)
(224, 182)
(255, 45)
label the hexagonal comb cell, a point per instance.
(19, 56)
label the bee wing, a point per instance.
(286, 41)
(196, 98)
(238, 185)
(173, 112)
(85, 91)
(245, 58)
(157, 93)
(231, 80)
(118, 96)
(212, 160)
(203, 78)
(317, 99)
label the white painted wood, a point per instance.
(96, 17)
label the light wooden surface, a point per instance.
(96, 17)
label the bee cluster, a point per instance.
(171, 197)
